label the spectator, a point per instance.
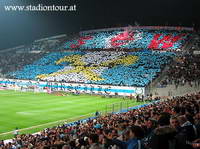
(187, 128)
(174, 123)
(134, 137)
(164, 135)
(93, 141)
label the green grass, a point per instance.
(32, 112)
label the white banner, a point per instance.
(74, 87)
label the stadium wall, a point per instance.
(41, 86)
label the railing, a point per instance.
(124, 106)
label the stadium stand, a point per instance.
(11, 61)
(185, 70)
(98, 67)
(72, 62)
(143, 39)
(121, 58)
(168, 124)
(181, 76)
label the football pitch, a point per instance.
(32, 112)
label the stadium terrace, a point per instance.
(154, 68)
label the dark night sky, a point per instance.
(17, 28)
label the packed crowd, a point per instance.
(27, 54)
(186, 69)
(154, 39)
(11, 61)
(43, 65)
(98, 67)
(44, 45)
(168, 124)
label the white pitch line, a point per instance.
(37, 126)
